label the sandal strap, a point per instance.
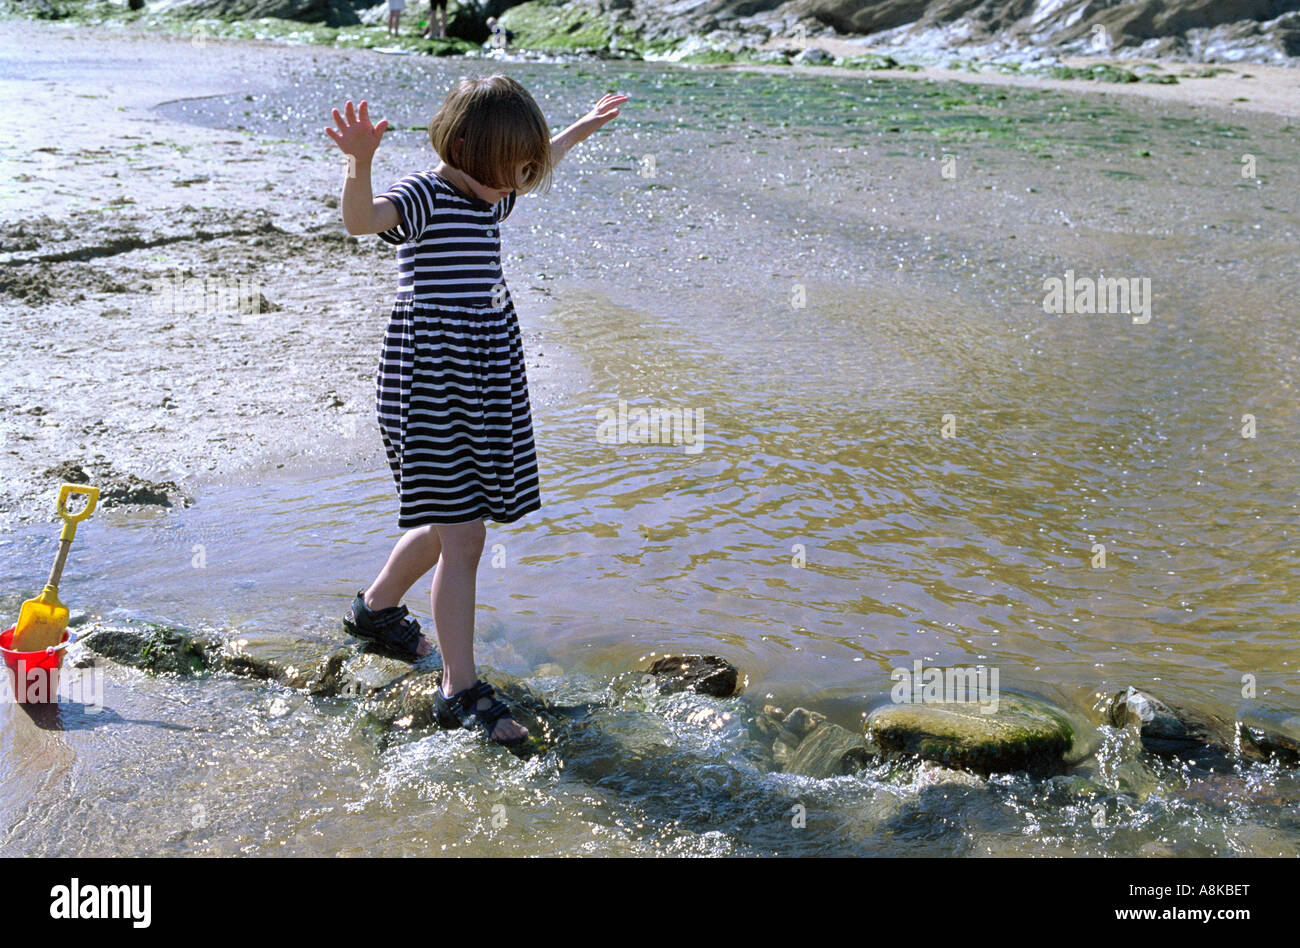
(479, 690)
(489, 716)
(405, 634)
(471, 695)
(461, 706)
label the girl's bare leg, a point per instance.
(415, 554)
(455, 585)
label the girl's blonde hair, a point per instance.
(502, 128)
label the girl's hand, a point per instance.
(355, 135)
(605, 110)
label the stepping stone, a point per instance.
(703, 674)
(1022, 734)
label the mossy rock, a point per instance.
(1021, 734)
(319, 667)
(571, 26)
(1102, 72)
(155, 648)
(870, 61)
(709, 57)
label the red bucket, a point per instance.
(33, 675)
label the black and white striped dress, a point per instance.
(452, 393)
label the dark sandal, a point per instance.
(459, 711)
(389, 627)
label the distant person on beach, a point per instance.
(395, 8)
(437, 11)
(500, 37)
(452, 392)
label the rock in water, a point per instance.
(1168, 730)
(1273, 732)
(368, 672)
(830, 751)
(408, 703)
(1022, 734)
(291, 660)
(805, 743)
(155, 648)
(703, 674)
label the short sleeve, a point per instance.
(413, 196)
(505, 206)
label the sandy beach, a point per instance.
(136, 237)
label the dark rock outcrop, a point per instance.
(154, 648)
(117, 489)
(329, 12)
(1231, 30)
(1207, 30)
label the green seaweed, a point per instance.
(539, 24)
(870, 61)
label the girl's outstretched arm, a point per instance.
(363, 213)
(605, 110)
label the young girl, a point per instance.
(452, 395)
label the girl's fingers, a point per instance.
(338, 120)
(351, 113)
(365, 112)
(382, 126)
(333, 135)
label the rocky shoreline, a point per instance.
(890, 34)
(1022, 733)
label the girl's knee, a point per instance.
(463, 540)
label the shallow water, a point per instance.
(821, 438)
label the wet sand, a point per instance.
(112, 206)
(118, 215)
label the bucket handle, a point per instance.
(51, 649)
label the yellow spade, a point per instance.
(43, 619)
